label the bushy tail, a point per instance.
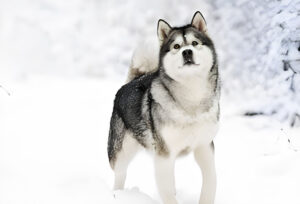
(144, 60)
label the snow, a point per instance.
(61, 63)
(255, 41)
(53, 139)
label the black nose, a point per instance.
(188, 53)
(187, 56)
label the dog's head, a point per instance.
(186, 51)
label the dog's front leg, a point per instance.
(164, 173)
(204, 156)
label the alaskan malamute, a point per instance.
(170, 108)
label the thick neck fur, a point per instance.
(193, 94)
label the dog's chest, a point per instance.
(188, 119)
(183, 137)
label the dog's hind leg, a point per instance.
(204, 156)
(129, 149)
(121, 149)
(164, 173)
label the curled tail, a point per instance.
(144, 60)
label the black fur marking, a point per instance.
(128, 115)
(213, 146)
(184, 38)
(150, 101)
(115, 138)
(168, 91)
(159, 144)
(164, 75)
(128, 105)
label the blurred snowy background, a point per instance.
(62, 62)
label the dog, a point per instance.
(170, 106)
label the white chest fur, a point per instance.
(188, 123)
(185, 137)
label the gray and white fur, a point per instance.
(169, 106)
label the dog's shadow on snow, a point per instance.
(135, 196)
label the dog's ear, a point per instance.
(163, 30)
(199, 22)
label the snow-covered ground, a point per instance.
(53, 134)
(62, 62)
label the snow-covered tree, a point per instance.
(259, 44)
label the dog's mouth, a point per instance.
(188, 62)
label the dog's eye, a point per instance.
(176, 46)
(194, 43)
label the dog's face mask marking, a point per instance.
(185, 51)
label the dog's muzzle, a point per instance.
(187, 57)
